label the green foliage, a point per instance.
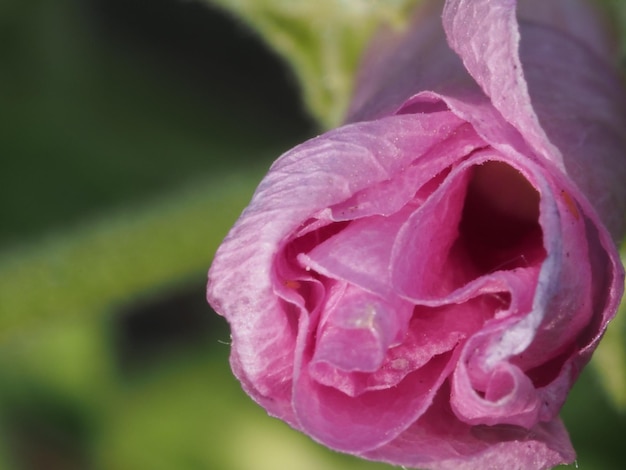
(610, 357)
(322, 41)
(616, 12)
(204, 421)
(107, 261)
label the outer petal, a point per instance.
(581, 106)
(315, 175)
(485, 34)
(440, 442)
(548, 76)
(399, 66)
(578, 19)
(558, 92)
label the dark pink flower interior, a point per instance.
(499, 228)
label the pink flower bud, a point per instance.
(423, 285)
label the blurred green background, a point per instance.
(132, 134)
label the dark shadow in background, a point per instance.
(151, 327)
(204, 48)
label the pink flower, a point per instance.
(424, 285)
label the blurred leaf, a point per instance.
(5, 462)
(71, 359)
(86, 270)
(610, 357)
(52, 391)
(192, 414)
(595, 429)
(322, 41)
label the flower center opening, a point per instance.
(499, 227)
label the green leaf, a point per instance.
(610, 357)
(322, 41)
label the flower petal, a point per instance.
(356, 331)
(548, 80)
(581, 105)
(485, 35)
(317, 174)
(438, 441)
(356, 424)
